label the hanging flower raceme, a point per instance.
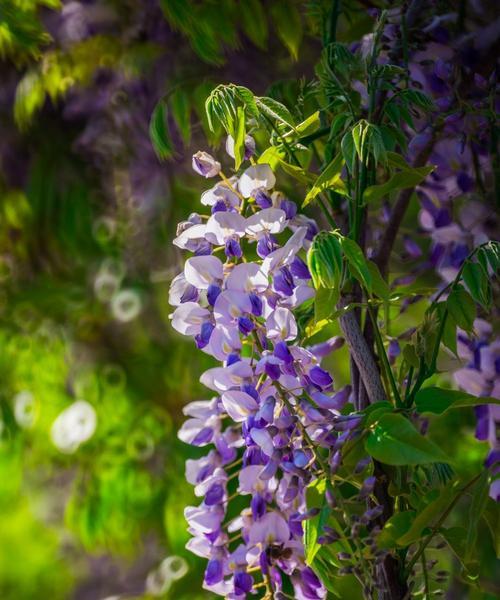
(273, 408)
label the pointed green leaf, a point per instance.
(400, 180)
(476, 279)
(239, 140)
(357, 262)
(428, 515)
(438, 400)
(328, 180)
(462, 308)
(395, 441)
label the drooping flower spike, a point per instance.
(273, 401)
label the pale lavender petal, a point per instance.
(239, 405)
(254, 178)
(188, 318)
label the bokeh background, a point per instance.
(88, 209)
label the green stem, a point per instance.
(435, 529)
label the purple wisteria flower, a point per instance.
(273, 399)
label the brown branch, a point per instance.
(398, 212)
(362, 356)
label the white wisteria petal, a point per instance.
(218, 193)
(268, 220)
(201, 271)
(239, 405)
(188, 318)
(247, 277)
(222, 379)
(281, 325)
(254, 178)
(230, 305)
(191, 235)
(224, 225)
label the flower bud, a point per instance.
(205, 164)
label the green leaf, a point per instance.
(325, 301)
(492, 517)
(476, 279)
(348, 150)
(357, 137)
(253, 21)
(275, 110)
(296, 172)
(476, 510)
(492, 251)
(373, 412)
(449, 337)
(328, 180)
(158, 132)
(438, 400)
(394, 528)
(315, 498)
(239, 140)
(357, 262)
(426, 517)
(181, 112)
(395, 441)
(309, 125)
(288, 23)
(455, 538)
(399, 181)
(462, 308)
(410, 355)
(379, 285)
(271, 156)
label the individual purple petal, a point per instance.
(213, 292)
(262, 199)
(203, 337)
(243, 583)
(281, 325)
(283, 282)
(213, 572)
(256, 304)
(232, 248)
(214, 495)
(188, 318)
(245, 325)
(266, 221)
(282, 352)
(412, 247)
(299, 269)
(265, 245)
(495, 490)
(258, 506)
(247, 277)
(289, 208)
(320, 377)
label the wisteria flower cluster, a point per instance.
(274, 404)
